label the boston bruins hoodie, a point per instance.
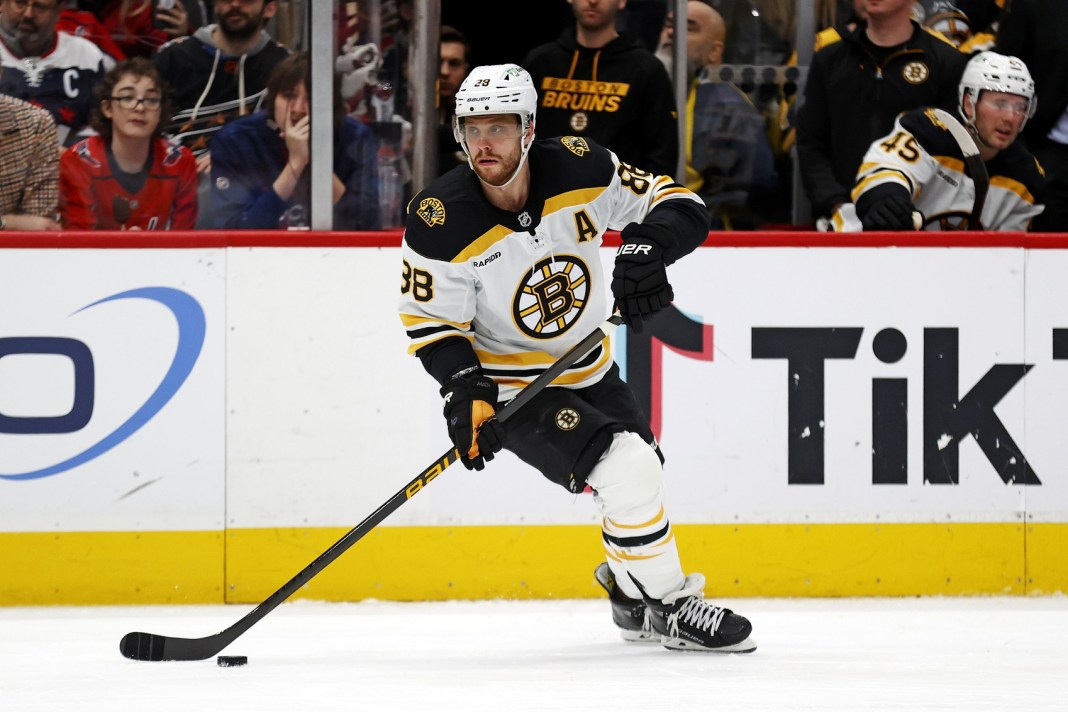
(619, 95)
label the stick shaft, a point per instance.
(974, 162)
(149, 646)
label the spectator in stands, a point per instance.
(915, 176)
(82, 23)
(141, 27)
(1035, 31)
(217, 74)
(127, 177)
(455, 64)
(260, 176)
(858, 83)
(29, 177)
(729, 162)
(595, 82)
(50, 69)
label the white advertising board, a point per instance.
(329, 416)
(790, 385)
(111, 390)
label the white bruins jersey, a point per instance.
(522, 288)
(921, 156)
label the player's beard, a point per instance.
(502, 172)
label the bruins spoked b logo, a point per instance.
(551, 297)
(567, 418)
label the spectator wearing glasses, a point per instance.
(127, 177)
(47, 68)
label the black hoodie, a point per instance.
(619, 95)
(210, 88)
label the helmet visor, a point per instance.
(490, 128)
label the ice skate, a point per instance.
(630, 615)
(687, 622)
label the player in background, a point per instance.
(919, 167)
(501, 276)
(127, 177)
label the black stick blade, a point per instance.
(143, 646)
(153, 648)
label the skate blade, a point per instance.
(639, 636)
(745, 646)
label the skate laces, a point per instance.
(697, 614)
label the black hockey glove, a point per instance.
(639, 281)
(470, 406)
(890, 213)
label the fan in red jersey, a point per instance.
(128, 177)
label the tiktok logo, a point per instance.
(191, 329)
(948, 416)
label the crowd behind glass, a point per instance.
(372, 122)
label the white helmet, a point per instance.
(496, 89)
(991, 71)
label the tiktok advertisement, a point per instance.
(835, 421)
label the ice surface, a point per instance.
(848, 655)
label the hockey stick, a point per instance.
(976, 166)
(152, 647)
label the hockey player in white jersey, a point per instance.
(501, 276)
(915, 176)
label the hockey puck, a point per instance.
(232, 660)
